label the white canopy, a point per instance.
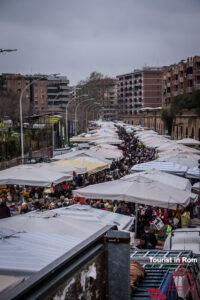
(107, 153)
(38, 238)
(53, 167)
(193, 173)
(107, 140)
(138, 189)
(31, 176)
(82, 153)
(188, 141)
(189, 160)
(162, 177)
(169, 167)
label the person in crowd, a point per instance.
(24, 208)
(148, 239)
(4, 209)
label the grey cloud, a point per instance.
(75, 37)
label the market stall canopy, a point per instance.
(138, 189)
(162, 177)
(168, 167)
(31, 176)
(172, 146)
(106, 140)
(189, 160)
(52, 167)
(82, 153)
(196, 187)
(188, 141)
(113, 154)
(193, 173)
(92, 165)
(36, 239)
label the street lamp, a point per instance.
(95, 104)
(21, 117)
(66, 114)
(76, 109)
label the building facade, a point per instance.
(110, 102)
(58, 93)
(139, 89)
(15, 83)
(181, 79)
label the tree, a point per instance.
(9, 105)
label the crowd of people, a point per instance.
(22, 200)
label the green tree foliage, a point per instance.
(95, 86)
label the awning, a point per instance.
(169, 167)
(31, 176)
(138, 189)
(90, 164)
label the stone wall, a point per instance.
(185, 125)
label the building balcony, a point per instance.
(175, 93)
(190, 89)
(180, 91)
(190, 76)
(180, 79)
(168, 84)
(197, 86)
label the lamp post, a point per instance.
(21, 117)
(76, 109)
(66, 114)
(95, 104)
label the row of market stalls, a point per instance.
(88, 161)
(32, 241)
(176, 157)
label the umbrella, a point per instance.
(31, 176)
(138, 189)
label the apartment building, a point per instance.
(58, 93)
(139, 89)
(110, 103)
(181, 79)
(15, 83)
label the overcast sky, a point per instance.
(76, 37)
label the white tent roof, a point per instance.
(193, 173)
(43, 237)
(189, 160)
(107, 153)
(138, 189)
(82, 153)
(169, 167)
(188, 141)
(162, 177)
(53, 167)
(106, 140)
(31, 176)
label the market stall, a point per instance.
(26, 175)
(169, 167)
(92, 165)
(138, 189)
